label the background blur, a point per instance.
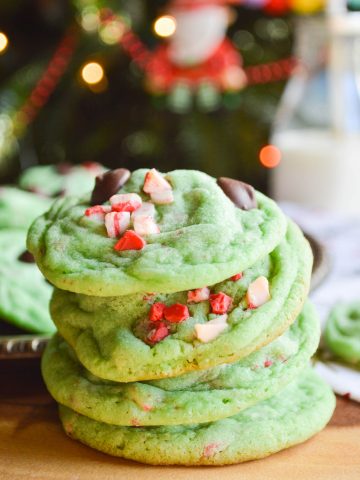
(137, 83)
(121, 123)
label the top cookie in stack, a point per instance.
(222, 248)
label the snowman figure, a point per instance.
(198, 59)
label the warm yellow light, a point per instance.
(3, 42)
(165, 26)
(92, 73)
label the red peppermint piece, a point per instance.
(176, 313)
(97, 210)
(198, 295)
(125, 202)
(156, 312)
(268, 363)
(158, 333)
(236, 277)
(211, 449)
(155, 182)
(220, 302)
(94, 167)
(116, 223)
(130, 241)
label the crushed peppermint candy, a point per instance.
(147, 209)
(163, 197)
(125, 202)
(117, 223)
(268, 363)
(236, 277)
(155, 182)
(98, 212)
(220, 302)
(160, 332)
(206, 332)
(176, 313)
(130, 241)
(157, 311)
(211, 449)
(258, 293)
(198, 295)
(145, 225)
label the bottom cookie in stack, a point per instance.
(232, 413)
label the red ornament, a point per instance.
(277, 7)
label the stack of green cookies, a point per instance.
(184, 336)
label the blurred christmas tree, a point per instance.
(76, 85)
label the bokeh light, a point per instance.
(4, 42)
(92, 73)
(165, 26)
(270, 156)
(112, 32)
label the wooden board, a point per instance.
(33, 445)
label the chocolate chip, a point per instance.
(242, 194)
(107, 184)
(26, 257)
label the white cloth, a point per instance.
(340, 235)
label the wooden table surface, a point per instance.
(33, 445)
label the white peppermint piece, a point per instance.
(97, 213)
(219, 319)
(117, 223)
(258, 292)
(147, 209)
(145, 225)
(155, 182)
(162, 197)
(133, 201)
(198, 295)
(206, 332)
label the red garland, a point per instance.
(51, 76)
(271, 72)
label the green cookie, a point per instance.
(18, 208)
(342, 332)
(24, 293)
(104, 330)
(62, 179)
(298, 412)
(204, 238)
(192, 398)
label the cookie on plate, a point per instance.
(342, 331)
(61, 179)
(24, 292)
(18, 209)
